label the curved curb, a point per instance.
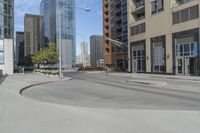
(38, 84)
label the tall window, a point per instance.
(157, 6)
(185, 14)
(158, 49)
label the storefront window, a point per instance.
(188, 49)
(158, 47)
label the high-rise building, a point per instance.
(59, 27)
(96, 50)
(84, 56)
(45, 24)
(6, 36)
(164, 36)
(115, 28)
(32, 34)
(19, 46)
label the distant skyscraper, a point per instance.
(6, 36)
(32, 34)
(59, 26)
(96, 50)
(84, 56)
(45, 24)
(19, 46)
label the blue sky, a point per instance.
(87, 24)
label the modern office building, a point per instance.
(6, 36)
(45, 24)
(32, 34)
(116, 28)
(59, 27)
(96, 50)
(84, 56)
(164, 36)
(19, 53)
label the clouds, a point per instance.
(22, 7)
(33, 6)
(86, 23)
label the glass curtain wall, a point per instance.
(67, 22)
(6, 24)
(45, 13)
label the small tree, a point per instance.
(46, 56)
(52, 54)
(26, 61)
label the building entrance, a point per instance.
(186, 66)
(138, 59)
(187, 59)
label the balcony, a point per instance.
(181, 2)
(140, 4)
(140, 18)
(139, 8)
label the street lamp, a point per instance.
(60, 33)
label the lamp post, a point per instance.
(60, 33)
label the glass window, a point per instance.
(184, 15)
(189, 49)
(194, 49)
(194, 12)
(157, 6)
(1, 47)
(1, 58)
(1, 8)
(158, 55)
(186, 48)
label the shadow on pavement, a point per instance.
(2, 78)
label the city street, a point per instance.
(113, 91)
(100, 103)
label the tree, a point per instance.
(26, 61)
(46, 56)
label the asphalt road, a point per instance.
(103, 91)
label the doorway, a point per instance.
(138, 60)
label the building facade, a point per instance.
(19, 53)
(164, 36)
(32, 34)
(45, 24)
(116, 28)
(59, 27)
(84, 56)
(96, 50)
(6, 36)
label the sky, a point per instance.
(87, 23)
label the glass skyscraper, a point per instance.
(59, 27)
(6, 36)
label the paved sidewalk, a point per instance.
(160, 76)
(22, 115)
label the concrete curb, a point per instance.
(148, 82)
(42, 83)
